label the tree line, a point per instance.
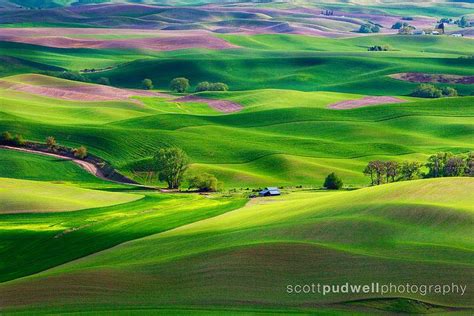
(442, 164)
(181, 84)
(17, 140)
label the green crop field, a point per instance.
(306, 98)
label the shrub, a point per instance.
(427, 91)
(179, 85)
(204, 182)
(18, 140)
(147, 84)
(333, 182)
(378, 48)
(80, 152)
(449, 92)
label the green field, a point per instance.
(73, 243)
(273, 140)
(416, 231)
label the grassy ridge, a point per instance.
(417, 231)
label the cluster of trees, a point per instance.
(211, 86)
(6, 138)
(399, 25)
(391, 171)
(430, 91)
(463, 22)
(439, 165)
(378, 48)
(181, 84)
(172, 164)
(369, 28)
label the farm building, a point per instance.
(270, 191)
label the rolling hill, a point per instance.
(417, 231)
(309, 95)
(267, 142)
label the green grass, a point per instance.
(417, 232)
(264, 144)
(27, 166)
(26, 196)
(249, 69)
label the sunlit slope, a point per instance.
(24, 196)
(43, 225)
(417, 231)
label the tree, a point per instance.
(204, 182)
(80, 152)
(454, 167)
(463, 22)
(410, 170)
(436, 164)
(375, 169)
(202, 86)
(6, 138)
(398, 25)
(171, 164)
(449, 92)
(404, 30)
(147, 84)
(104, 81)
(179, 85)
(51, 143)
(18, 140)
(469, 170)
(392, 170)
(427, 91)
(218, 86)
(333, 182)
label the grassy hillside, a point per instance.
(264, 144)
(24, 196)
(19, 165)
(417, 231)
(306, 63)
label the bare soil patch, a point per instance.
(79, 92)
(433, 78)
(219, 105)
(366, 101)
(159, 41)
